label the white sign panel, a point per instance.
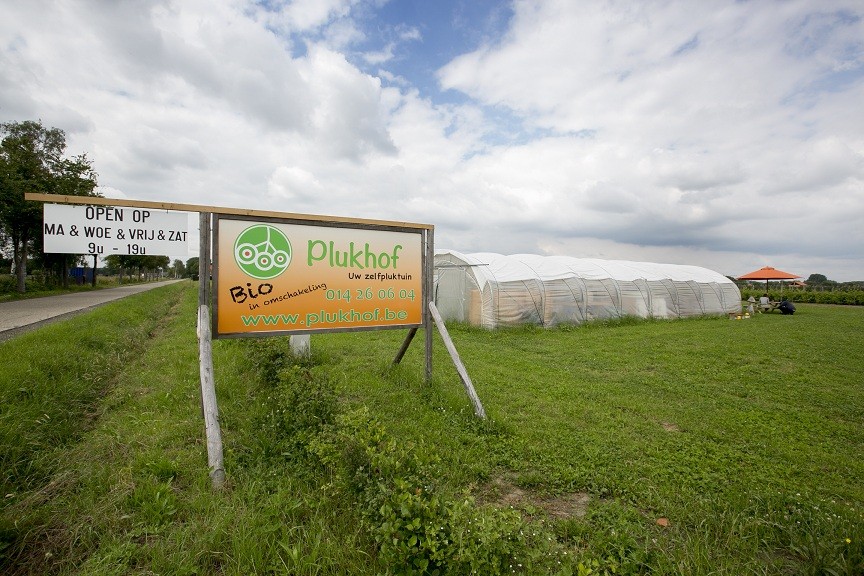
(106, 230)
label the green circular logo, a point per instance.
(262, 251)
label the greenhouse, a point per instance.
(493, 290)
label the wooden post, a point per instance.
(460, 368)
(429, 296)
(205, 358)
(404, 348)
(204, 259)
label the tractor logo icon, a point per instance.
(262, 251)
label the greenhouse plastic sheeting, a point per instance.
(492, 290)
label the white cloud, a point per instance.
(294, 184)
(347, 118)
(288, 16)
(380, 56)
(409, 33)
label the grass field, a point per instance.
(703, 446)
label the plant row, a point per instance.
(851, 298)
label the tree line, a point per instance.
(33, 159)
(147, 266)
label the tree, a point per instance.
(192, 267)
(31, 160)
(817, 279)
(142, 265)
(179, 268)
(156, 265)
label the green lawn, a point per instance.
(703, 446)
(745, 435)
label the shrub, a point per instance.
(298, 408)
(845, 297)
(8, 284)
(416, 526)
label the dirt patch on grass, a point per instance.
(502, 492)
(669, 427)
(574, 505)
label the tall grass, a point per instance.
(123, 488)
(51, 382)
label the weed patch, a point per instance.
(416, 525)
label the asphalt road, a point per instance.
(22, 315)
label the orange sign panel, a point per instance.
(281, 276)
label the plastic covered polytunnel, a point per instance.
(493, 290)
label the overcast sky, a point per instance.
(721, 134)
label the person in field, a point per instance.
(786, 307)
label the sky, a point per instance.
(724, 134)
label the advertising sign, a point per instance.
(275, 275)
(106, 230)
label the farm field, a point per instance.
(702, 446)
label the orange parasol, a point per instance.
(768, 273)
